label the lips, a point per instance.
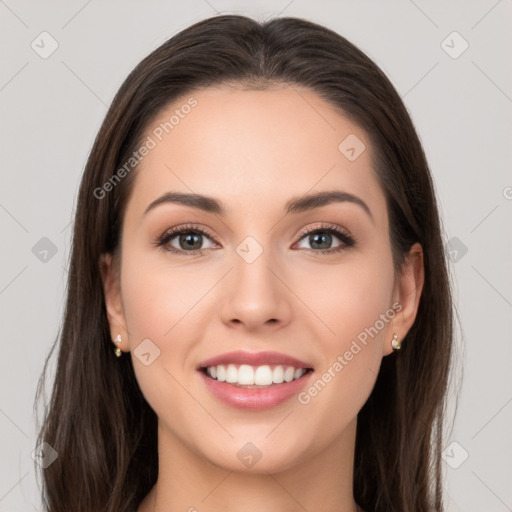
(255, 359)
(254, 397)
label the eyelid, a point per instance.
(175, 231)
(347, 240)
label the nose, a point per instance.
(256, 295)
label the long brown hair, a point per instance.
(97, 420)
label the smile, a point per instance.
(254, 397)
(255, 376)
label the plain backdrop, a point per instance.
(63, 61)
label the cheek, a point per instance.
(156, 297)
(156, 302)
(367, 297)
(357, 307)
(351, 359)
(350, 297)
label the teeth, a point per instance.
(289, 374)
(278, 375)
(231, 374)
(219, 370)
(262, 375)
(246, 375)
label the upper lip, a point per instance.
(254, 359)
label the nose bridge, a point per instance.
(252, 274)
(255, 294)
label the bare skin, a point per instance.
(254, 151)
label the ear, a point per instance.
(407, 293)
(110, 277)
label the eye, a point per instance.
(189, 239)
(322, 237)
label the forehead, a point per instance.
(254, 147)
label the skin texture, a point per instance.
(254, 151)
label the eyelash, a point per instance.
(346, 239)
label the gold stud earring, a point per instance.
(117, 350)
(395, 343)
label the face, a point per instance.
(315, 283)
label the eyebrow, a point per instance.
(294, 205)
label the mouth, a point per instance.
(254, 381)
(255, 388)
(254, 377)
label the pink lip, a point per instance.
(254, 359)
(253, 398)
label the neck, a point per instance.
(188, 481)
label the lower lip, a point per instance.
(253, 398)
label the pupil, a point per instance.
(322, 237)
(189, 242)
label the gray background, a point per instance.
(460, 103)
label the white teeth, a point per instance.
(231, 374)
(289, 373)
(221, 373)
(263, 376)
(278, 375)
(246, 375)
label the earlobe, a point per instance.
(408, 290)
(112, 296)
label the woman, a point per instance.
(258, 309)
